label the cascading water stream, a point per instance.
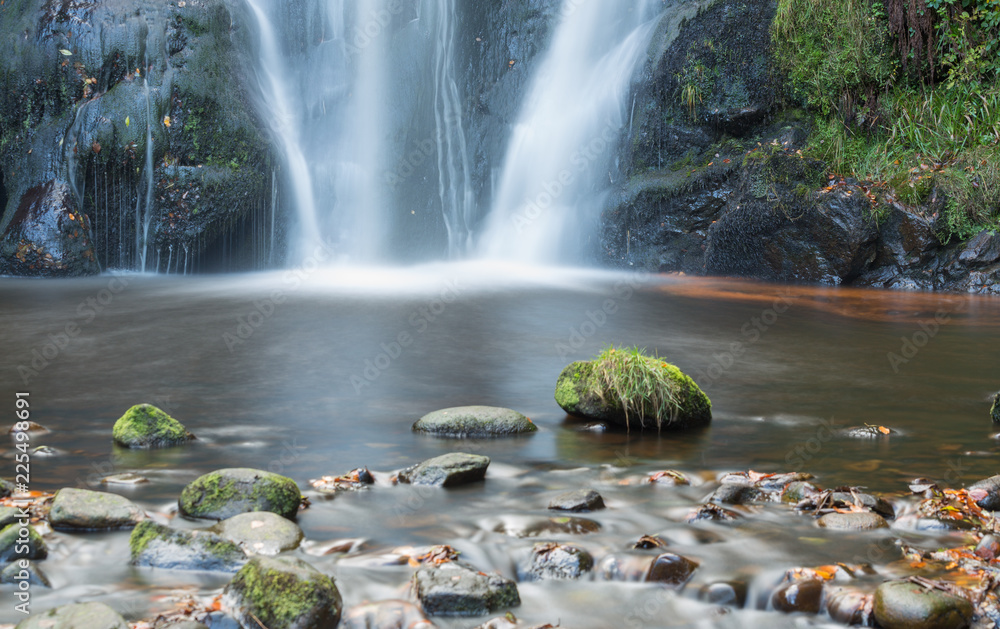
(454, 181)
(143, 218)
(556, 172)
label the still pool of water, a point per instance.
(313, 372)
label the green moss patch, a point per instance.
(283, 593)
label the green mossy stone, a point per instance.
(158, 546)
(11, 543)
(906, 605)
(82, 509)
(579, 392)
(995, 409)
(75, 616)
(224, 493)
(475, 421)
(145, 426)
(283, 593)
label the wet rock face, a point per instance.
(283, 593)
(90, 615)
(453, 589)
(81, 509)
(671, 569)
(47, 235)
(905, 605)
(85, 89)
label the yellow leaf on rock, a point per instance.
(126, 121)
(166, 121)
(65, 52)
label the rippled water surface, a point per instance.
(315, 372)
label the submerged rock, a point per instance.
(907, 605)
(145, 426)
(385, 615)
(6, 488)
(75, 616)
(283, 593)
(577, 500)
(224, 493)
(628, 566)
(475, 421)
(671, 569)
(533, 526)
(82, 509)
(729, 593)
(14, 573)
(260, 532)
(13, 546)
(856, 521)
(551, 560)
(453, 589)
(447, 470)
(581, 390)
(159, 546)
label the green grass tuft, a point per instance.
(641, 385)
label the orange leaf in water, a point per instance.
(884, 430)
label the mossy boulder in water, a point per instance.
(283, 593)
(626, 387)
(475, 421)
(995, 409)
(159, 546)
(82, 509)
(14, 547)
(75, 616)
(145, 426)
(224, 493)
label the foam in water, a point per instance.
(557, 168)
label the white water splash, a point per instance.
(556, 172)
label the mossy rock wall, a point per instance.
(136, 106)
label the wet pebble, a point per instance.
(90, 615)
(260, 532)
(550, 560)
(82, 509)
(577, 500)
(906, 605)
(671, 569)
(454, 589)
(799, 596)
(729, 593)
(734, 494)
(447, 470)
(854, 521)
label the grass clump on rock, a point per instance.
(626, 386)
(145, 426)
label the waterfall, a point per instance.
(454, 182)
(556, 171)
